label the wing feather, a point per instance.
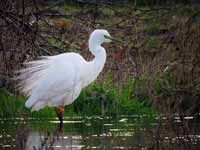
(50, 80)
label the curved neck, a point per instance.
(99, 52)
(96, 65)
(99, 59)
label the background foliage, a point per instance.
(157, 65)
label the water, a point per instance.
(133, 132)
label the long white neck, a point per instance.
(96, 65)
(99, 59)
(98, 51)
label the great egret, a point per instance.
(57, 81)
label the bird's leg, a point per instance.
(60, 111)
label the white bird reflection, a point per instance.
(55, 140)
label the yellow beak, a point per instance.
(113, 39)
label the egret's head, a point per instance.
(100, 36)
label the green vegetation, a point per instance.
(106, 98)
(11, 106)
(102, 98)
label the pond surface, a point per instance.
(82, 133)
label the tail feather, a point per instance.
(31, 76)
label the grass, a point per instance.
(106, 98)
(100, 98)
(10, 105)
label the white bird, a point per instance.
(56, 81)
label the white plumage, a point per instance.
(58, 80)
